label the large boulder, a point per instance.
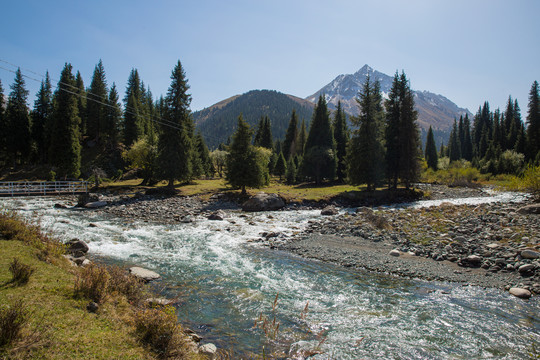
(329, 210)
(263, 202)
(209, 350)
(76, 247)
(84, 199)
(144, 274)
(530, 254)
(520, 293)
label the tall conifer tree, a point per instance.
(467, 143)
(81, 101)
(533, 123)
(289, 144)
(341, 134)
(365, 156)
(392, 135)
(97, 99)
(244, 166)
(454, 146)
(266, 137)
(301, 139)
(113, 116)
(320, 150)
(133, 128)
(3, 125)
(431, 156)
(18, 121)
(175, 145)
(41, 119)
(65, 150)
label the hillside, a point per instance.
(218, 122)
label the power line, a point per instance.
(95, 98)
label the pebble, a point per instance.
(520, 293)
(394, 252)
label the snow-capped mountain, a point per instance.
(435, 110)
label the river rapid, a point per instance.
(224, 282)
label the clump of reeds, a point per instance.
(12, 320)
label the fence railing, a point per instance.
(35, 188)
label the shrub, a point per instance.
(21, 272)
(125, 284)
(12, 320)
(159, 329)
(51, 176)
(93, 283)
(530, 180)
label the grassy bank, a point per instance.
(43, 306)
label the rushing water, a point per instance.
(223, 283)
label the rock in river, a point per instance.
(263, 202)
(144, 274)
(520, 293)
(329, 210)
(530, 254)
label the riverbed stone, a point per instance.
(530, 209)
(209, 350)
(218, 216)
(144, 274)
(77, 247)
(263, 202)
(520, 292)
(159, 302)
(525, 269)
(95, 204)
(530, 254)
(329, 210)
(394, 252)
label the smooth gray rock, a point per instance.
(218, 216)
(530, 254)
(263, 202)
(394, 252)
(523, 269)
(159, 302)
(520, 293)
(144, 274)
(95, 204)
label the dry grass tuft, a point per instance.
(20, 272)
(92, 282)
(12, 320)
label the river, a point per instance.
(223, 284)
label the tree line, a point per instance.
(79, 129)
(497, 141)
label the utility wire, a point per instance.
(128, 110)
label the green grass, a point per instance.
(58, 325)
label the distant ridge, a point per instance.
(218, 121)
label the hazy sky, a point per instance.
(468, 50)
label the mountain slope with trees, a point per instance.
(218, 122)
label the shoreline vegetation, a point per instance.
(51, 309)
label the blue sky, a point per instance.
(468, 50)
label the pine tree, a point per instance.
(290, 174)
(203, 153)
(266, 136)
(133, 127)
(175, 146)
(97, 97)
(289, 144)
(365, 157)
(483, 127)
(281, 165)
(533, 122)
(301, 139)
(402, 134)
(18, 121)
(65, 150)
(245, 168)
(431, 156)
(81, 101)
(320, 150)
(341, 134)
(41, 119)
(454, 146)
(392, 135)
(467, 143)
(113, 116)
(259, 132)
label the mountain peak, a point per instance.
(365, 70)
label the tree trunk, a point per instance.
(244, 192)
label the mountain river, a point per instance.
(223, 283)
